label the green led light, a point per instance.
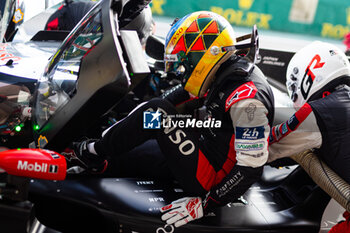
(36, 127)
(18, 128)
(131, 74)
(18, 148)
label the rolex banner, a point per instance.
(326, 18)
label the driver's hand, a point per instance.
(182, 211)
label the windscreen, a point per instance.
(58, 84)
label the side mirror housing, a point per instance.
(155, 48)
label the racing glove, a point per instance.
(182, 211)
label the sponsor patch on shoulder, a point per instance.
(250, 133)
(245, 91)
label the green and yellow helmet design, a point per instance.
(193, 48)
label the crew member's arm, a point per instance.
(249, 118)
(296, 135)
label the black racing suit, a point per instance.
(322, 124)
(218, 162)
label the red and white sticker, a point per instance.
(245, 91)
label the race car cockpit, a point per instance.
(86, 77)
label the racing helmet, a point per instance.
(312, 69)
(194, 49)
